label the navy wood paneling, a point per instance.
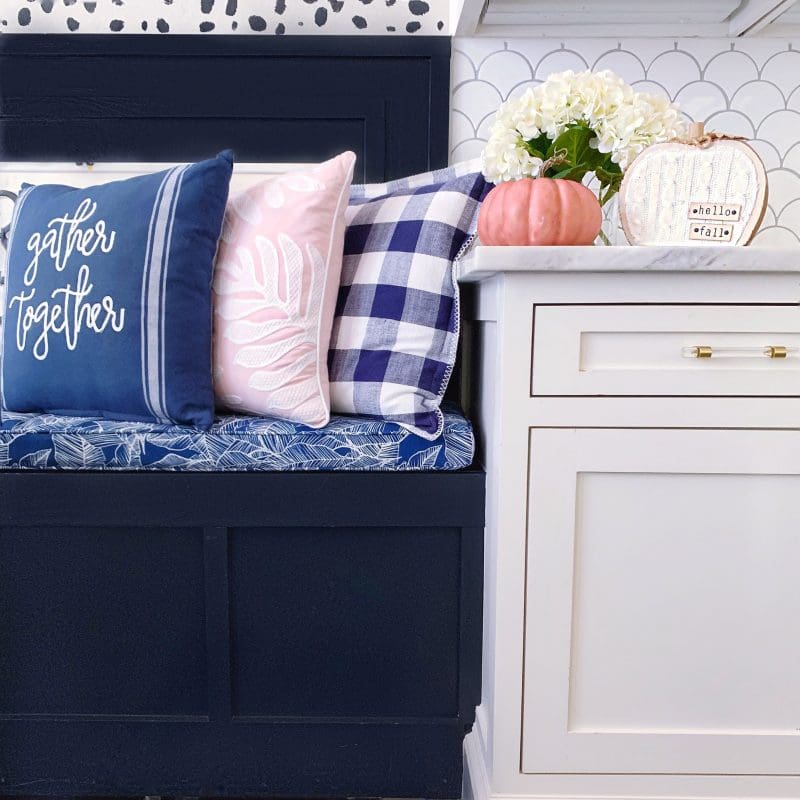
(299, 98)
(77, 613)
(381, 607)
(274, 634)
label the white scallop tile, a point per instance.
(781, 128)
(559, 61)
(783, 69)
(461, 127)
(700, 99)
(791, 159)
(651, 88)
(505, 69)
(784, 188)
(464, 151)
(767, 152)
(624, 63)
(476, 98)
(758, 99)
(674, 70)
(730, 70)
(776, 236)
(462, 65)
(733, 122)
(790, 216)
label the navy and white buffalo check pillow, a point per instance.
(396, 327)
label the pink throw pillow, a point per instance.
(275, 286)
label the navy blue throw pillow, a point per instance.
(108, 300)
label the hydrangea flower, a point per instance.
(576, 123)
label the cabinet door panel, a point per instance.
(662, 600)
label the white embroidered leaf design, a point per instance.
(247, 268)
(293, 271)
(298, 182)
(230, 307)
(257, 356)
(269, 266)
(247, 208)
(267, 381)
(244, 332)
(273, 194)
(226, 277)
(227, 232)
(287, 398)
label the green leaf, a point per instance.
(538, 147)
(575, 142)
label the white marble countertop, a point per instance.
(482, 262)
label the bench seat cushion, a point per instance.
(232, 444)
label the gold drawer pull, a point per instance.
(768, 351)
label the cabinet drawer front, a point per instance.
(666, 350)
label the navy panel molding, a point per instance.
(272, 634)
(177, 98)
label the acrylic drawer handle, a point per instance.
(768, 351)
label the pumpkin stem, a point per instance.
(559, 157)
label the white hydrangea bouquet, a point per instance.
(574, 124)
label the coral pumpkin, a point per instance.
(539, 211)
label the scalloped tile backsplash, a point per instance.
(748, 87)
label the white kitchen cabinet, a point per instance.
(643, 531)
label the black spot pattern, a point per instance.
(205, 16)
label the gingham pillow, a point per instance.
(396, 326)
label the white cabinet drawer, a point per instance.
(638, 350)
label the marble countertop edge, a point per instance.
(482, 260)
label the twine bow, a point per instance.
(699, 137)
